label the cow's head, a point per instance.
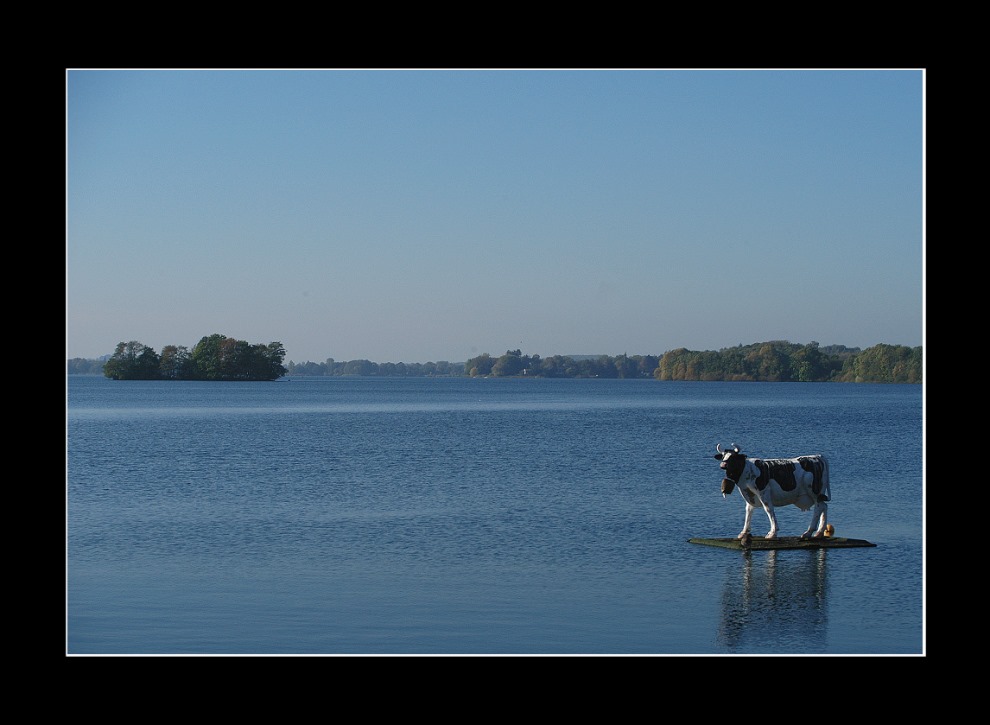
(732, 462)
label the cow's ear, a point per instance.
(717, 456)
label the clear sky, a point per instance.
(427, 215)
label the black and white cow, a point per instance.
(771, 482)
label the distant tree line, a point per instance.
(513, 363)
(363, 367)
(220, 358)
(774, 361)
(87, 366)
(215, 357)
(784, 362)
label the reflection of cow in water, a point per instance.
(777, 604)
(770, 482)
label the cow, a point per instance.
(771, 482)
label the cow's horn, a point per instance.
(718, 447)
(735, 447)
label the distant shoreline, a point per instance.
(772, 361)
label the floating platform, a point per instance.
(784, 542)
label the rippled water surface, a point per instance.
(481, 516)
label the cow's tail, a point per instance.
(826, 492)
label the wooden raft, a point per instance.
(784, 542)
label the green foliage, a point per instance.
(176, 363)
(772, 361)
(215, 357)
(132, 361)
(331, 367)
(782, 361)
(509, 365)
(481, 365)
(884, 364)
(360, 367)
(625, 367)
(83, 366)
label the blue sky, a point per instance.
(426, 215)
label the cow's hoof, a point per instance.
(770, 537)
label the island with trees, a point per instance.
(218, 357)
(215, 357)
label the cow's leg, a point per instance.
(747, 521)
(768, 507)
(821, 516)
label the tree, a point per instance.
(176, 363)
(809, 364)
(625, 367)
(771, 363)
(508, 364)
(218, 357)
(554, 366)
(673, 365)
(481, 365)
(360, 367)
(132, 361)
(270, 361)
(84, 366)
(208, 358)
(646, 365)
(884, 364)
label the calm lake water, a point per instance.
(364, 516)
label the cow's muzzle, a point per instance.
(727, 485)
